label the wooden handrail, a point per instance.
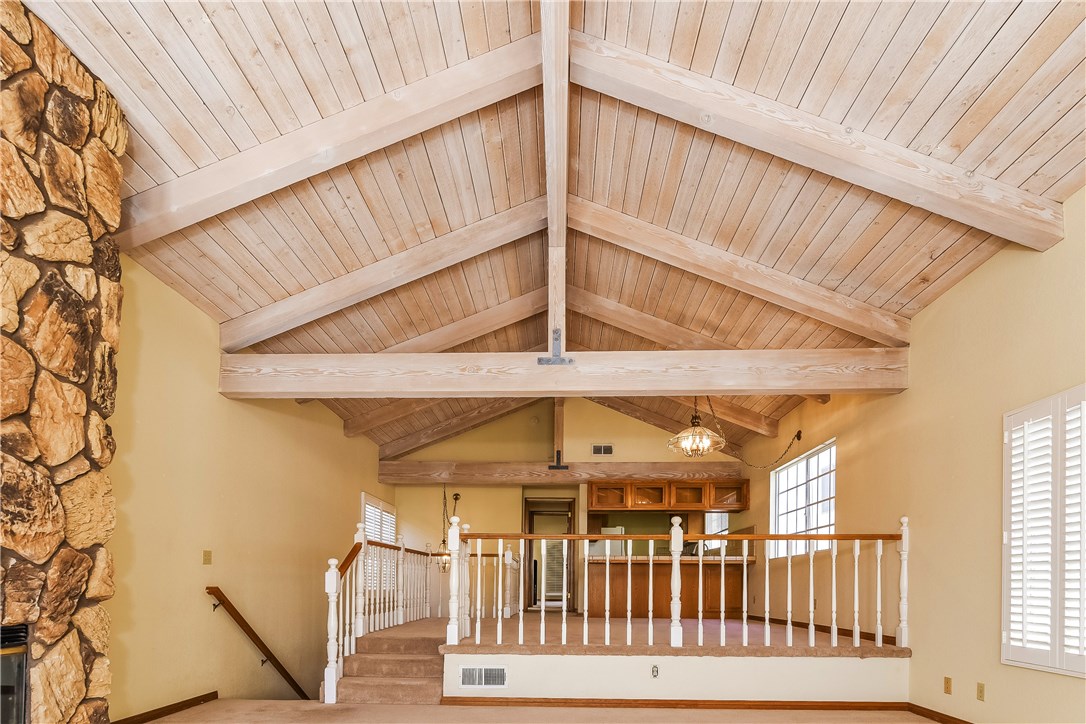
(352, 554)
(349, 559)
(686, 537)
(216, 593)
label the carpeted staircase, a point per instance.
(393, 670)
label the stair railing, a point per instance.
(376, 586)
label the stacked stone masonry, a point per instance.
(61, 137)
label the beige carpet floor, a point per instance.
(299, 712)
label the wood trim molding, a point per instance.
(737, 272)
(600, 374)
(935, 715)
(677, 703)
(164, 711)
(488, 412)
(417, 472)
(384, 275)
(320, 146)
(804, 138)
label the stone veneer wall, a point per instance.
(61, 133)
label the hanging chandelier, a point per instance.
(443, 557)
(696, 441)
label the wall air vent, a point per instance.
(603, 449)
(478, 677)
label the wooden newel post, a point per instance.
(360, 582)
(903, 586)
(401, 575)
(452, 632)
(507, 561)
(331, 587)
(676, 582)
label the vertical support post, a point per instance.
(520, 595)
(542, 591)
(360, 582)
(584, 604)
(426, 583)
(833, 594)
(499, 565)
(765, 634)
(676, 549)
(810, 596)
(701, 595)
(652, 554)
(479, 592)
(788, 608)
(607, 592)
(331, 669)
(855, 593)
(401, 582)
(878, 592)
(565, 584)
(746, 552)
(507, 560)
(629, 592)
(903, 586)
(465, 586)
(452, 632)
(723, 555)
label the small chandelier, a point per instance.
(696, 441)
(443, 557)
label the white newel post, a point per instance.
(903, 586)
(401, 575)
(507, 561)
(331, 587)
(676, 582)
(360, 583)
(426, 583)
(452, 632)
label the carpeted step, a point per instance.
(408, 666)
(388, 690)
(375, 644)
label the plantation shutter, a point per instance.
(1044, 565)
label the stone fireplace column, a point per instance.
(61, 136)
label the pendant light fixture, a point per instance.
(443, 557)
(696, 441)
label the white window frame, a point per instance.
(781, 548)
(714, 529)
(1056, 658)
(387, 510)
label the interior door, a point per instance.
(544, 522)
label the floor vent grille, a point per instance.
(478, 677)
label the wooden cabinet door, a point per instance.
(729, 496)
(613, 496)
(649, 496)
(689, 496)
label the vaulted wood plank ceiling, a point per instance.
(429, 234)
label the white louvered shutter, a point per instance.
(1043, 562)
(373, 522)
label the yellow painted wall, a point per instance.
(270, 487)
(1011, 333)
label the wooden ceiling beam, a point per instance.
(637, 412)
(417, 472)
(661, 331)
(739, 273)
(730, 412)
(359, 425)
(337, 139)
(488, 412)
(384, 275)
(804, 138)
(601, 374)
(554, 21)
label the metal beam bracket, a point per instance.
(556, 357)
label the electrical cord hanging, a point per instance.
(735, 454)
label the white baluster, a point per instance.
(903, 586)
(360, 583)
(765, 634)
(676, 548)
(607, 592)
(479, 590)
(429, 568)
(565, 562)
(500, 565)
(723, 551)
(701, 595)
(789, 549)
(810, 596)
(520, 594)
(629, 592)
(746, 544)
(341, 640)
(401, 583)
(584, 605)
(652, 554)
(331, 588)
(833, 594)
(452, 632)
(878, 592)
(497, 582)
(465, 593)
(507, 559)
(855, 593)
(542, 591)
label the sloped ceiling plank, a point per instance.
(320, 146)
(806, 139)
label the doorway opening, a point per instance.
(543, 579)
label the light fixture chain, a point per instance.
(734, 453)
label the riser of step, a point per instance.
(397, 645)
(394, 665)
(367, 690)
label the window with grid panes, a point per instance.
(801, 501)
(1044, 560)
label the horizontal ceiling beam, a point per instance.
(488, 412)
(739, 273)
(411, 472)
(599, 374)
(814, 142)
(384, 275)
(730, 412)
(337, 139)
(655, 329)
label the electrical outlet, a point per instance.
(207, 558)
(980, 691)
(948, 687)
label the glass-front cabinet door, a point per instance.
(649, 496)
